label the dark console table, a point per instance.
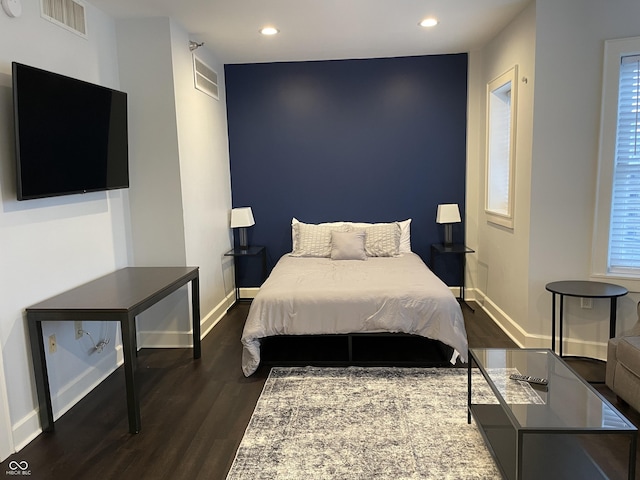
(118, 297)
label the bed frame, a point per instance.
(358, 349)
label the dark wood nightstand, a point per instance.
(251, 251)
(454, 249)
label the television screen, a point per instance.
(71, 135)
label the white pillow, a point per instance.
(313, 240)
(295, 221)
(348, 246)
(382, 239)
(405, 236)
(405, 232)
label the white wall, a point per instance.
(146, 73)
(175, 212)
(180, 186)
(144, 53)
(569, 60)
(559, 48)
(6, 435)
(49, 245)
(499, 270)
(204, 172)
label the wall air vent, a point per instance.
(205, 78)
(69, 14)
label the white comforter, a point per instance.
(307, 296)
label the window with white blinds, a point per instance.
(500, 159)
(624, 234)
(500, 118)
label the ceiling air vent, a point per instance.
(69, 14)
(206, 79)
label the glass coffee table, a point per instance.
(536, 431)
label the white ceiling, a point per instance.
(327, 29)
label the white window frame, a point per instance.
(496, 160)
(613, 52)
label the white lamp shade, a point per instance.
(448, 213)
(242, 217)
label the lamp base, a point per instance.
(448, 235)
(244, 241)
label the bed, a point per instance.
(351, 278)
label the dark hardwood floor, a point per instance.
(194, 414)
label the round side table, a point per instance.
(582, 289)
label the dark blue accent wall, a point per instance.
(369, 140)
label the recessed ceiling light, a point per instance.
(429, 22)
(269, 31)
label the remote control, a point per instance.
(529, 379)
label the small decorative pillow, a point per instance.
(348, 246)
(382, 240)
(314, 240)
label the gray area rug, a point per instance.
(364, 423)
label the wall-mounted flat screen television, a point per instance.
(71, 135)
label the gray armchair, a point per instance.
(623, 365)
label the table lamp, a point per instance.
(242, 218)
(448, 214)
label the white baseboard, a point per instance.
(213, 317)
(249, 292)
(28, 428)
(506, 323)
(523, 339)
(184, 339)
